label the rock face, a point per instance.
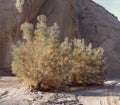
(98, 26)
(76, 18)
(7, 23)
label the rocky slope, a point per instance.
(76, 18)
(102, 28)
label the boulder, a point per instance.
(102, 28)
(76, 18)
(8, 15)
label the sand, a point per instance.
(13, 92)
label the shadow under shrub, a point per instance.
(44, 64)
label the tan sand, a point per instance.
(14, 93)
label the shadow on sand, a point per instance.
(107, 89)
(5, 72)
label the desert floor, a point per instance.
(12, 92)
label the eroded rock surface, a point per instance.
(102, 28)
(8, 15)
(76, 18)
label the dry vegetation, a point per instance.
(44, 64)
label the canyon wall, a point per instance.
(76, 18)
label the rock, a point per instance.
(78, 18)
(102, 28)
(7, 23)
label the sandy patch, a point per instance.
(14, 93)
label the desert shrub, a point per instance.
(40, 61)
(88, 64)
(43, 63)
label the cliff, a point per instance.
(76, 18)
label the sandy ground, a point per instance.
(14, 93)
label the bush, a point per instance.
(44, 64)
(88, 64)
